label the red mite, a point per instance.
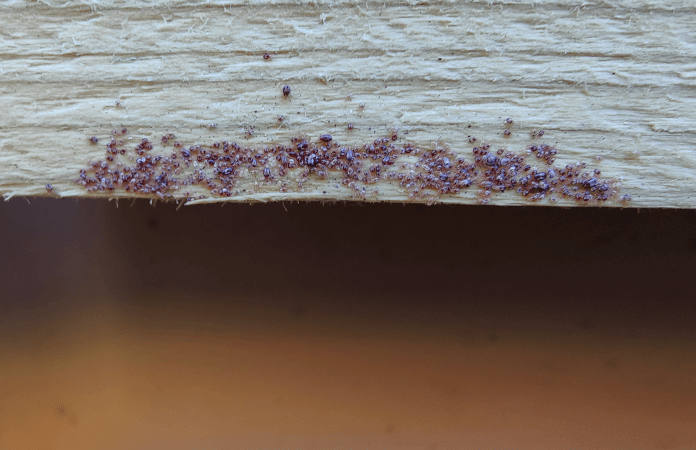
(422, 173)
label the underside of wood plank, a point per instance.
(611, 85)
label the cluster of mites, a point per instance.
(423, 174)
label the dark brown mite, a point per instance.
(422, 173)
(280, 118)
(94, 139)
(286, 90)
(49, 188)
(266, 56)
(506, 133)
(350, 126)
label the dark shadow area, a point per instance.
(589, 269)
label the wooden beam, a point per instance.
(610, 85)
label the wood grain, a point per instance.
(610, 80)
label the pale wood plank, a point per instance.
(615, 81)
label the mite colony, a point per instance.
(423, 174)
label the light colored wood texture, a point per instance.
(611, 80)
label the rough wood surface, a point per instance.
(611, 80)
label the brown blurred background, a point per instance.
(345, 326)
